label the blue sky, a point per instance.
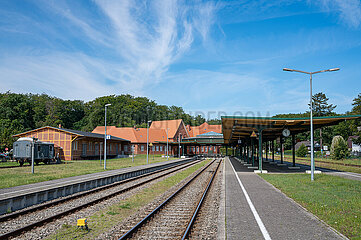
(209, 57)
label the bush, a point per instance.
(301, 151)
(339, 149)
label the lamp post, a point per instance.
(179, 146)
(105, 137)
(167, 146)
(148, 141)
(311, 105)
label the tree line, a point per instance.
(23, 112)
(322, 108)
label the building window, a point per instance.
(153, 148)
(214, 148)
(75, 145)
(125, 148)
(142, 148)
(161, 148)
(157, 148)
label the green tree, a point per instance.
(356, 109)
(301, 151)
(339, 149)
(320, 105)
(16, 115)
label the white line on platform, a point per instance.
(253, 209)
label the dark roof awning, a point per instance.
(238, 127)
(75, 132)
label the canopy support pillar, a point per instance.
(281, 143)
(293, 151)
(260, 160)
(267, 151)
(273, 150)
(252, 155)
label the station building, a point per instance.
(78, 145)
(158, 132)
(181, 139)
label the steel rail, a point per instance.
(28, 227)
(199, 205)
(150, 215)
(80, 194)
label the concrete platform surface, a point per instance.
(257, 210)
(5, 192)
(15, 198)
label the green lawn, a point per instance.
(335, 200)
(113, 215)
(11, 177)
(327, 163)
(8, 163)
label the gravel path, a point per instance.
(50, 228)
(172, 219)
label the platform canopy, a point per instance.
(237, 127)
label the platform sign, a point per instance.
(108, 136)
(253, 134)
(239, 141)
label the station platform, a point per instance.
(287, 167)
(254, 209)
(15, 198)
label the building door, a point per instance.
(84, 149)
(96, 148)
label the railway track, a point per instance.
(174, 218)
(26, 220)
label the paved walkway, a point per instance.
(19, 190)
(256, 210)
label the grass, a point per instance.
(113, 215)
(335, 200)
(327, 163)
(11, 177)
(8, 163)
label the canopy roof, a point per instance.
(238, 127)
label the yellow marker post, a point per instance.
(82, 222)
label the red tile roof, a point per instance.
(157, 131)
(135, 135)
(172, 125)
(203, 128)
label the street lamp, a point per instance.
(167, 146)
(179, 146)
(105, 136)
(311, 119)
(148, 140)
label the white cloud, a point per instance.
(350, 10)
(153, 35)
(65, 76)
(143, 37)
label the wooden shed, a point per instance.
(77, 145)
